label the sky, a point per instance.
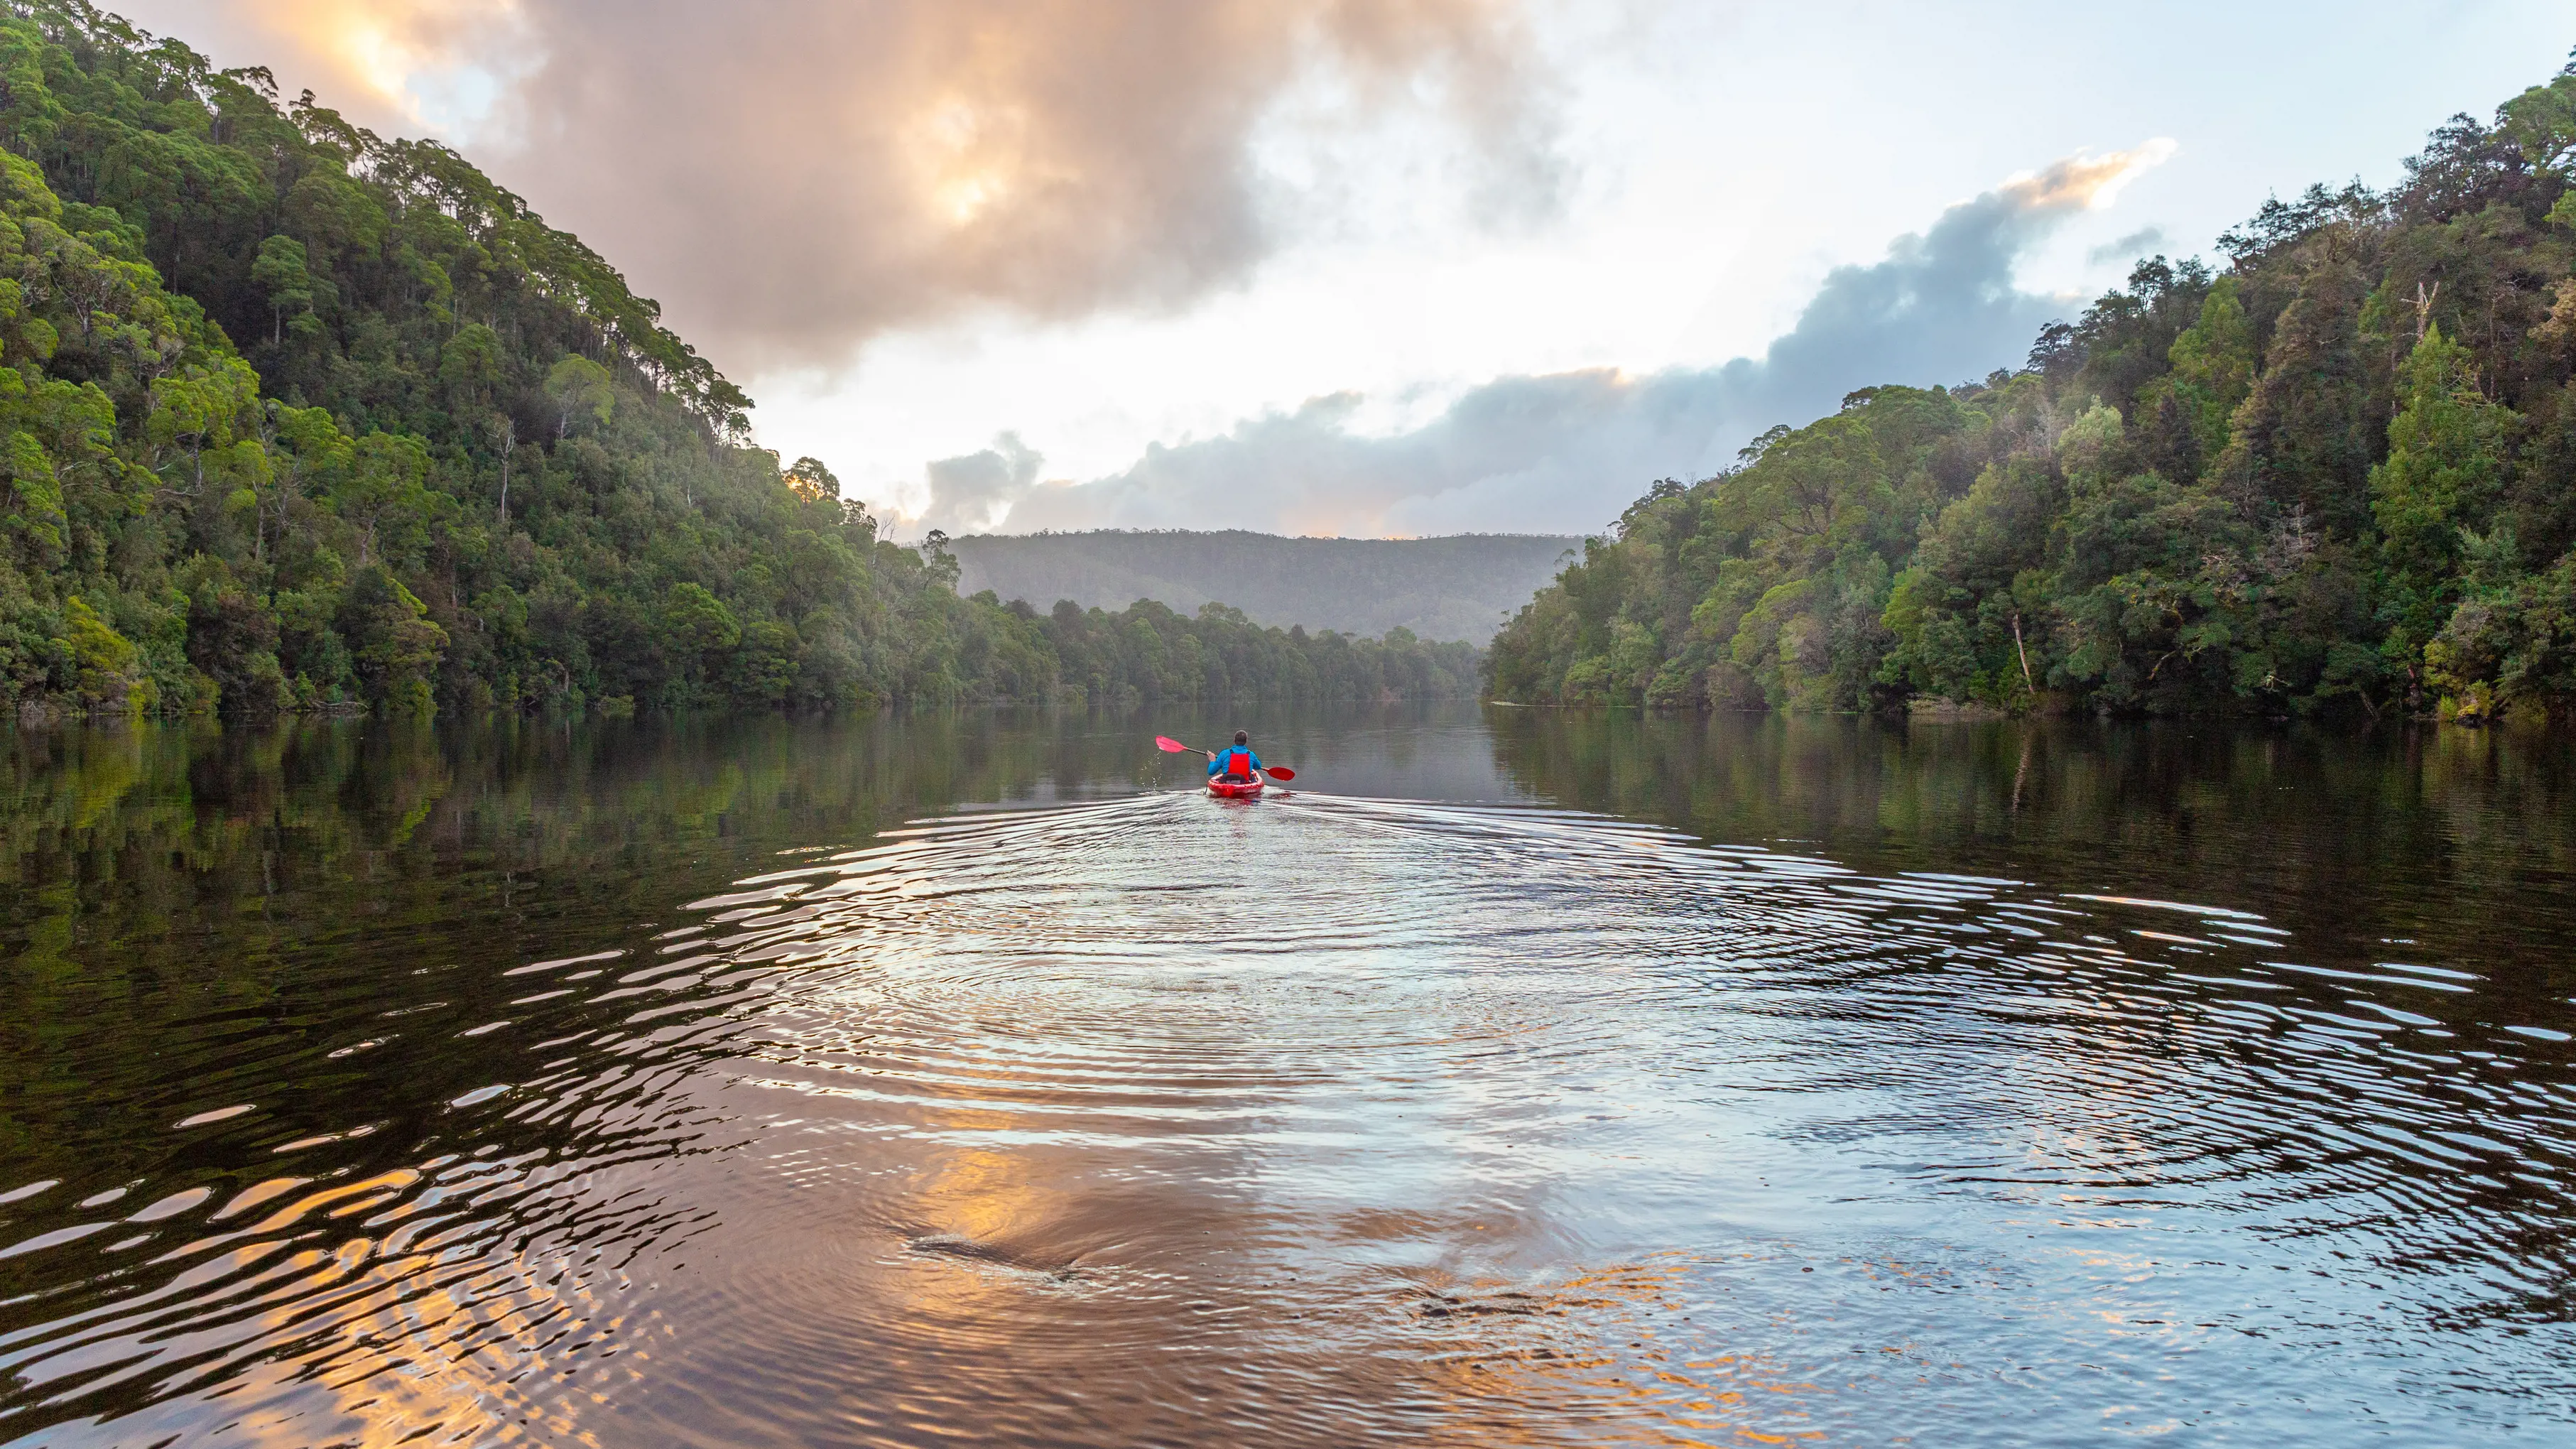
(1370, 267)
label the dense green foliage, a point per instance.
(1460, 587)
(2338, 474)
(294, 416)
(1148, 652)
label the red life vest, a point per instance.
(1238, 763)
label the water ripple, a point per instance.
(1354, 1121)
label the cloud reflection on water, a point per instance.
(1333, 1119)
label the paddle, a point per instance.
(1175, 747)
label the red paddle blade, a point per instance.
(1173, 747)
(1280, 772)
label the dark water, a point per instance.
(1530, 1079)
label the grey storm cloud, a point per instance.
(1565, 452)
(793, 177)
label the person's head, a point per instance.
(1242, 737)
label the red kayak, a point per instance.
(1235, 789)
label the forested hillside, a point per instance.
(1461, 587)
(294, 416)
(2336, 473)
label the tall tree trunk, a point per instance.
(509, 449)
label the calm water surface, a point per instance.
(1531, 1078)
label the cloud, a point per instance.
(2128, 248)
(394, 65)
(792, 177)
(2084, 183)
(972, 493)
(1565, 452)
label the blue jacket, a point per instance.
(1225, 756)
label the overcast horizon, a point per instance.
(1423, 267)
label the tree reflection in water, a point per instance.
(1534, 1078)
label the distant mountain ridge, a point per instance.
(1458, 587)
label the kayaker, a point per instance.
(1239, 763)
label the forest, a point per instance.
(1459, 587)
(2334, 475)
(297, 418)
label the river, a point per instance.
(1520, 1077)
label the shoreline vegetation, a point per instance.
(297, 419)
(294, 418)
(1459, 586)
(2336, 477)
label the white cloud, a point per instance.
(798, 177)
(1564, 452)
(971, 494)
(1699, 170)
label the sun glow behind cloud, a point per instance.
(2084, 182)
(442, 66)
(797, 180)
(914, 226)
(969, 156)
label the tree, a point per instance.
(302, 444)
(233, 641)
(202, 407)
(392, 643)
(382, 489)
(810, 480)
(470, 366)
(281, 274)
(315, 530)
(2213, 367)
(111, 668)
(2301, 438)
(506, 428)
(581, 389)
(2542, 122)
(698, 628)
(2446, 466)
(60, 435)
